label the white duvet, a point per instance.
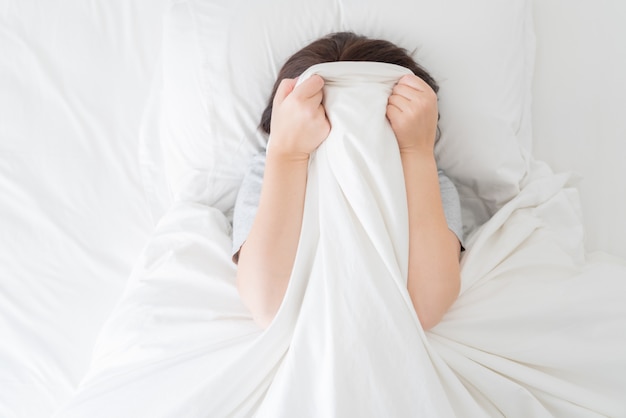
(537, 331)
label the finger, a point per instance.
(393, 112)
(327, 126)
(322, 111)
(415, 82)
(317, 97)
(399, 101)
(310, 87)
(405, 91)
(285, 87)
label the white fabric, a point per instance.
(73, 79)
(73, 218)
(221, 59)
(537, 330)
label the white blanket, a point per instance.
(537, 330)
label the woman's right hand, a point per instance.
(299, 123)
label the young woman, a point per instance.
(269, 208)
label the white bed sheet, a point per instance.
(516, 343)
(73, 80)
(73, 217)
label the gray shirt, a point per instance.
(250, 194)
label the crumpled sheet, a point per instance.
(537, 331)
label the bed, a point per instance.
(104, 114)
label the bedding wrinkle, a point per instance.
(49, 84)
(364, 198)
(354, 169)
(535, 331)
(71, 220)
(345, 312)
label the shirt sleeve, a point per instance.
(250, 193)
(247, 203)
(451, 206)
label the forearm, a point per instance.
(266, 259)
(433, 273)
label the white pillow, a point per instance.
(220, 60)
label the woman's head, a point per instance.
(343, 46)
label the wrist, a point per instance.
(279, 157)
(417, 151)
(285, 155)
(420, 163)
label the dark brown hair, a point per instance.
(343, 46)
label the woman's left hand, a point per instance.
(412, 112)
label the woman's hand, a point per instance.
(412, 112)
(299, 126)
(299, 123)
(433, 276)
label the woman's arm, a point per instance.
(434, 277)
(434, 272)
(299, 125)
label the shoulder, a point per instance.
(257, 163)
(449, 193)
(444, 181)
(247, 201)
(451, 205)
(254, 173)
(253, 179)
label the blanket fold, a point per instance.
(356, 331)
(537, 331)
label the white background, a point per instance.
(579, 108)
